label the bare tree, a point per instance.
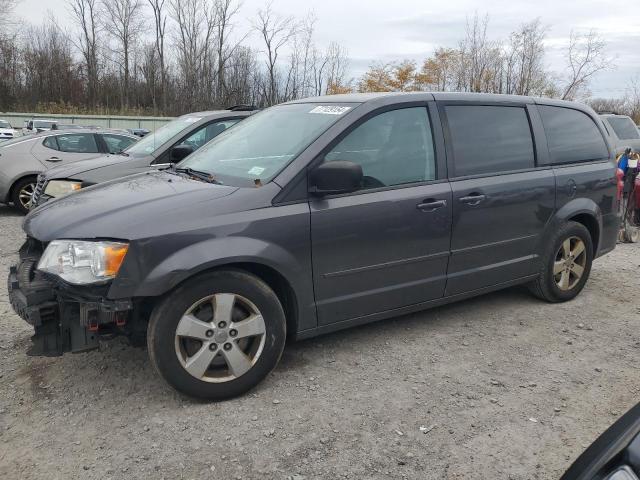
(276, 32)
(226, 10)
(84, 13)
(48, 64)
(6, 19)
(160, 24)
(196, 22)
(524, 61)
(122, 20)
(475, 54)
(336, 60)
(586, 55)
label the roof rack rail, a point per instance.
(242, 108)
(607, 112)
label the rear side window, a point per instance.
(207, 133)
(572, 135)
(624, 127)
(489, 139)
(77, 143)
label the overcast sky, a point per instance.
(387, 30)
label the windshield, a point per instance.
(150, 143)
(42, 124)
(4, 124)
(259, 147)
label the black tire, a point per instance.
(161, 334)
(17, 188)
(545, 286)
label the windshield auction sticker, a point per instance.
(256, 171)
(330, 110)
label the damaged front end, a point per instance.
(66, 318)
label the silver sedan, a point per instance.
(22, 159)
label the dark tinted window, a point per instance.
(77, 143)
(117, 143)
(489, 139)
(624, 127)
(207, 133)
(393, 148)
(572, 135)
(50, 142)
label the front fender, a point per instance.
(146, 277)
(202, 256)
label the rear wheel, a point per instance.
(217, 335)
(22, 193)
(566, 264)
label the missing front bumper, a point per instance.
(64, 319)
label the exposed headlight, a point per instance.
(60, 188)
(82, 262)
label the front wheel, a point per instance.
(22, 194)
(566, 264)
(217, 335)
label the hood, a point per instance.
(74, 170)
(128, 208)
(7, 130)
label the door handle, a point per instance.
(473, 199)
(54, 159)
(431, 205)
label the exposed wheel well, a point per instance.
(13, 186)
(590, 222)
(280, 286)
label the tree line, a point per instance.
(515, 66)
(168, 57)
(162, 57)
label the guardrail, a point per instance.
(17, 120)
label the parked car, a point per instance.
(317, 215)
(138, 132)
(37, 125)
(22, 159)
(171, 142)
(623, 131)
(7, 132)
(615, 455)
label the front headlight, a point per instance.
(60, 188)
(82, 262)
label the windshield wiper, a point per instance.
(200, 175)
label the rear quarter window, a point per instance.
(489, 139)
(572, 135)
(50, 142)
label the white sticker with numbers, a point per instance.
(330, 110)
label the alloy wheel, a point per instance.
(570, 263)
(25, 195)
(220, 337)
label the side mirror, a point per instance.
(180, 152)
(335, 177)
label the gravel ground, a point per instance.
(502, 386)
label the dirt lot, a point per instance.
(502, 386)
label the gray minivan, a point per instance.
(317, 215)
